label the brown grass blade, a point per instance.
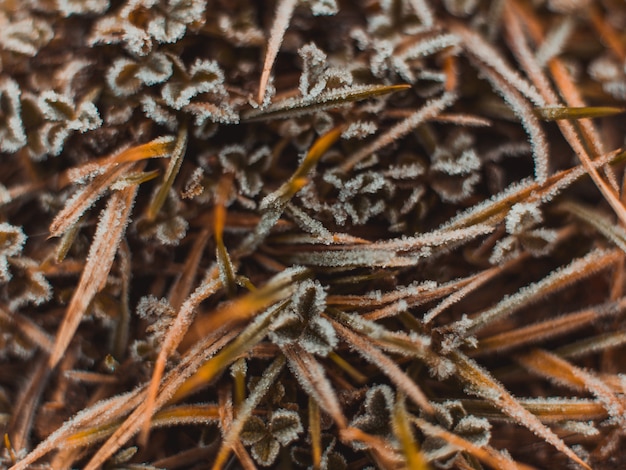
(486, 387)
(109, 232)
(547, 329)
(555, 113)
(386, 365)
(310, 374)
(562, 372)
(284, 12)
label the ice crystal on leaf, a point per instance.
(521, 225)
(63, 117)
(301, 322)
(202, 77)
(454, 168)
(12, 241)
(126, 76)
(83, 7)
(140, 23)
(26, 35)
(266, 438)
(317, 74)
(248, 166)
(12, 135)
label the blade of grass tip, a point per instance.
(268, 378)
(226, 269)
(310, 374)
(109, 232)
(176, 160)
(333, 98)
(315, 431)
(402, 429)
(274, 204)
(174, 336)
(84, 198)
(67, 240)
(555, 113)
(284, 12)
(483, 385)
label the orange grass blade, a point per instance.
(109, 232)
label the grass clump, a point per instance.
(322, 234)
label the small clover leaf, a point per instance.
(266, 439)
(378, 410)
(301, 322)
(12, 135)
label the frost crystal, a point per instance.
(12, 135)
(302, 323)
(24, 36)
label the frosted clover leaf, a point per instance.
(301, 322)
(12, 136)
(202, 77)
(322, 7)
(265, 439)
(317, 75)
(63, 116)
(126, 76)
(455, 166)
(452, 416)
(141, 22)
(173, 17)
(247, 166)
(24, 36)
(12, 241)
(521, 225)
(377, 412)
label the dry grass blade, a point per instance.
(563, 372)
(108, 235)
(312, 378)
(592, 345)
(555, 113)
(334, 98)
(174, 336)
(558, 279)
(486, 387)
(547, 329)
(386, 365)
(176, 160)
(284, 11)
(610, 230)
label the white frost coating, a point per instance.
(522, 217)
(204, 76)
(322, 7)
(82, 7)
(158, 113)
(12, 135)
(555, 41)
(359, 130)
(13, 239)
(24, 36)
